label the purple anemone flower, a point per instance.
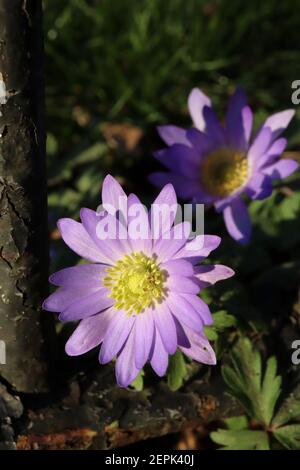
(138, 296)
(218, 165)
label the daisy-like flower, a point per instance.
(138, 296)
(217, 165)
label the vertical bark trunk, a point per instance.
(23, 206)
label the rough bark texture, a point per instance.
(23, 213)
(95, 414)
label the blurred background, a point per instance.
(117, 69)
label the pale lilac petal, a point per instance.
(126, 370)
(184, 311)
(200, 247)
(111, 248)
(247, 118)
(237, 221)
(87, 306)
(259, 186)
(139, 230)
(260, 145)
(281, 169)
(278, 122)
(165, 324)
(163, 211)
(159, 356)
(89, 333)
(197, 100)
(200, 350)
(167, 247)
(81, 276)
(182, 339)
(113, 196)
(144, 337)
(181, 266)
(271, 155)
(209, 274)
(200, 307)
(173, 135)
(77, 238)
(178, 283)
(63, 297)
(116, 335)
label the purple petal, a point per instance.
(87, 306)
(173, 135)
(181, 266)
(126, 370)
(116, 335)
(159, 356)
(200, 350)
(112, 193)
(163, 211)
(144, 336)
(213, 127)
(282, 169)
(200, 307)
(260, 144)
(197, 100)
(272, 153)
(89, 333)
(278, 122)
(200, 247)
(180, 283)
(84, 275)
(165, 324)
(77, 238)
(167, 247)
(183, 190)
(237, 221)
(234, 126)
(63, 297)
(180, 159)
(201, 142)
(184, 311)
(259, 186)
(247, 118)
(182, 338)
(212, 273)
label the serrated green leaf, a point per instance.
(237, 423)
(289, 436)
(177, 371)
(256, 392)
(241, 439)
(290, 408)
(138, 383)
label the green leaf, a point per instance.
(289, 436)
(241, 439)
(256, 392)
(211, 333)
(237, 423)
(290, 408)
(138, 383)
(223, 320)
(177, 371)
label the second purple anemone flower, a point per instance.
(215, 164)
(137, 296)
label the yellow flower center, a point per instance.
(223, 171)
(136, 282)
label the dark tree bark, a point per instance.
(23, 209)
